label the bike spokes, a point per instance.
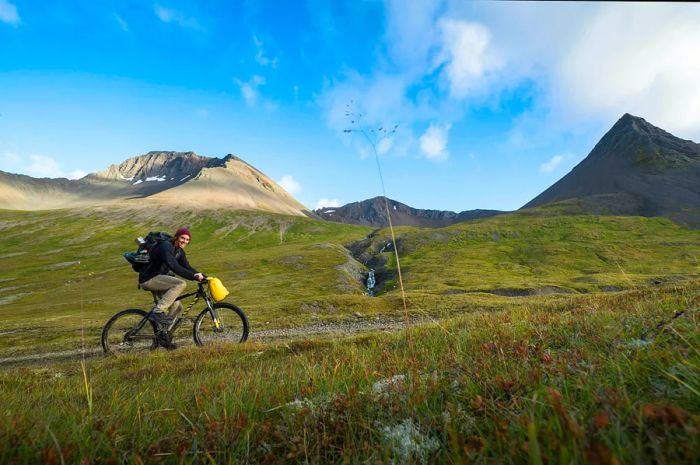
(128, 331)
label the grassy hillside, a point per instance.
(63, 274)
(534, 252)
(564, 374)
(592, 379)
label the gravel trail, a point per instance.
(344, 328)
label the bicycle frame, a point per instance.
(199, 293)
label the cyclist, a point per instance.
(167, 259)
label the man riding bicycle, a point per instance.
(167, 259)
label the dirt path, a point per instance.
(344, 328)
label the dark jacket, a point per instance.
(166, 259)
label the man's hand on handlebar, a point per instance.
(199, 277)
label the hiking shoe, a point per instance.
(163, 340)
(162, 320)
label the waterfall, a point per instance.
(371, 281)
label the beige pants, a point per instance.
(166, 289)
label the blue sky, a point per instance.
(494, 102)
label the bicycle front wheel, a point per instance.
(226, 323)
(129, 332)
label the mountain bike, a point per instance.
(134, 330)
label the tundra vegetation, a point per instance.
(546, 338)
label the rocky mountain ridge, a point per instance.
(163, 178)
(372, 212)
(635, 169)
(154, 165)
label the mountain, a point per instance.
(156, 178)
(635, 169)
(372, 212)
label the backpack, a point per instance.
(141, 258)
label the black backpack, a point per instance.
(141, 258)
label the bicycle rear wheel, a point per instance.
(129, 332)
(232, 325)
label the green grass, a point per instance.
(552, 378)
(63, 274)
(561, 381)
(527, 251)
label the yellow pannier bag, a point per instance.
(217, 290)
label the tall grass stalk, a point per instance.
(58, 447)
(373, 140)
(682, 383)
(88, 387)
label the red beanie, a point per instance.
(183, 232)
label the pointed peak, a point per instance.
(630, 125)
(628, 116)
(631, 122)
(380, 198)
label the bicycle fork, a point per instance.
(215, 316)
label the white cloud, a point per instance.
(649, 67)
(380, 99)
(169, 15)
(249, 89)
(387, 94)
(11, 159)
(466, 55)
(41, 166)
(582, 65)
(592, 62)
(263, 60)
(249, 92)
(8, 13)
(433, 142)
(289, 184)
(122, 23)
(424, 47)
(327, 203)
(260, 55)
(552, 164)
(411, 31)
(77, 174)
(37, 166)
(384, 145)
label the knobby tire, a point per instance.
(235, 325)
